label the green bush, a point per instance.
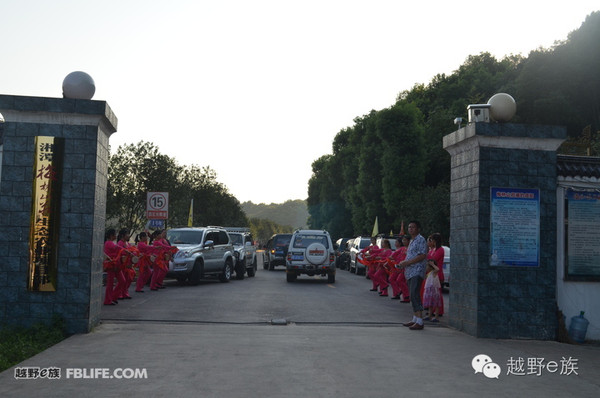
(19, 343)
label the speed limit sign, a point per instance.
(157, 206)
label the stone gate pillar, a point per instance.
(496, 292)
(83, 128)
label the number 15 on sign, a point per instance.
(157, 206)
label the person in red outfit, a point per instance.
(111, 266)
(127, 263)
(436, 253)
(147, 256)
(165, 254)
(397, 278)
(368, 253)
(380, 276)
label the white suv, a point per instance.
(310, 252)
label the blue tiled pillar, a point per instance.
(501, 301)
(86, 126)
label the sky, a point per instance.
(257, 90)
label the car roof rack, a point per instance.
(238, 229)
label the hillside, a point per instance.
(292, 212)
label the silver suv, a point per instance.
(244, 251)
(359, 243)
(203, 251)
(311, 253)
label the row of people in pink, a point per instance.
(382, 268)
(384, 272)
(122, 258)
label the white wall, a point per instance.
(573, 297)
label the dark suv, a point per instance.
(342, 252)
(277, 249)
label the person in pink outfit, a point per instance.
(368, 253)
(147, 256)
(432, 294)
(436, 253)
(397, 279)
(127, 263)
(165, 253)
(111, 266)
(381, 274)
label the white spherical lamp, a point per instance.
(78, 85)
(502, 107)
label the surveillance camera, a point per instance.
(458, 120)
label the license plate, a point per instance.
(297, 257)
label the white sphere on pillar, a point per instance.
(503, 107)
(78, 85)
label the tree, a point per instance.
(391, 162)
(263, 229)
(134, 170)
(213, 204)
(403, 162)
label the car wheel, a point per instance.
(252, 270)
(226, 274)
(271, 266)
(331, 278)
(290, 277)
(240, 269)
(196, 273)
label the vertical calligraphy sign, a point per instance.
(45, 214)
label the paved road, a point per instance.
(263, 298)
(216, 340)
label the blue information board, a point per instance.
(515, 227)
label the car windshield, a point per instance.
(236, 239)
(184, 237)
(303, 241)
(282, 241)
(364, 242)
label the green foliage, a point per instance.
(263, 229)
(136, 169)
(391, 163)
(133, 171)
(18, 343)
(561, 85)
(374, 164)
(213, 204)
(291, 214)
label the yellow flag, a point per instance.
(375, 228)
(191, 216)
